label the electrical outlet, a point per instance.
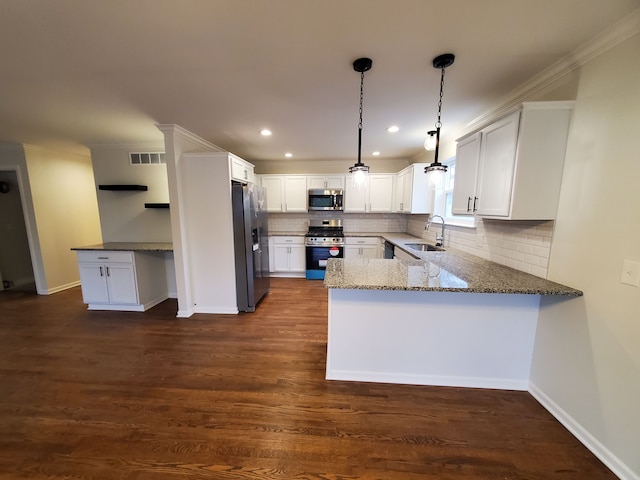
(630, 273)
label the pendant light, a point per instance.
(360, 171)
(436, 170)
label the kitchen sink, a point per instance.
(424, 247)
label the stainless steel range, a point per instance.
(324, 240)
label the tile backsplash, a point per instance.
(351, 222)
(523, 245)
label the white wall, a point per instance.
(65, 209)
(325, 166)
(587, 356)
(178, 141)
(123, 216)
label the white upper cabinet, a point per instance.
(285, 193)
(498, 158)
(274, 186)
(413, 193)
(519, 166)
(380, 193)
(375, 196)
(467, 159)
(328, 181)
(241, 170)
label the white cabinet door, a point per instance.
(94, 283)
(464, 187)
(121, 282)
(281, 258)
(355, 197)
(320, 181)
(380, 193)
(297, 258)
(274, 185)
(295, 188)
(398, 192)
(241, 170)
(497, 157)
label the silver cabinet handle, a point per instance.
(468, 204)
(475, 199)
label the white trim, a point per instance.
(186, 134)
(185, 313)
(605, 455)
(60, 288)
(432, 380)
(216, 310)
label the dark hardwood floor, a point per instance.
(113, 395)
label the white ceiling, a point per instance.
(77, 72)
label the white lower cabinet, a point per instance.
(287, 256)
(117, 280)
(362, 247)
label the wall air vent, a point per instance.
(147, 158)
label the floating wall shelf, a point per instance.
(156, 205)
(140, 188)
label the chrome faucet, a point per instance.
(439, 238)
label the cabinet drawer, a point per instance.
(362, 241)
(105, 257)
(289, 240)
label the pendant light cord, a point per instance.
(439, 123)
(360, 120)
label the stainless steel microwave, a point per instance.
(321, 199)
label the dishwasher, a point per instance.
(388, 249)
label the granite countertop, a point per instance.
(444, 271)
(129, 247)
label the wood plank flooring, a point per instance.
(114, 395)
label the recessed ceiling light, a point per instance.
(265, 132)
(393, 129)
(375, 154)
(288, 155)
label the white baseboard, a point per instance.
(593, 444)
(433, 380)
(59, 288)
(185, 313)
(216, 310)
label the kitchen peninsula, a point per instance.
(125, 276)
(445, 318)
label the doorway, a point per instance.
(16, 268)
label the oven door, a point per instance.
(317, 256)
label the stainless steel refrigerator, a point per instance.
(251, 244)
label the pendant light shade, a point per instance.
(360, 171)
(430, 142)
(436, 170)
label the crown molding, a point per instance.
(609, 38)
(177, 130)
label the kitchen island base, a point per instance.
(431, 338)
